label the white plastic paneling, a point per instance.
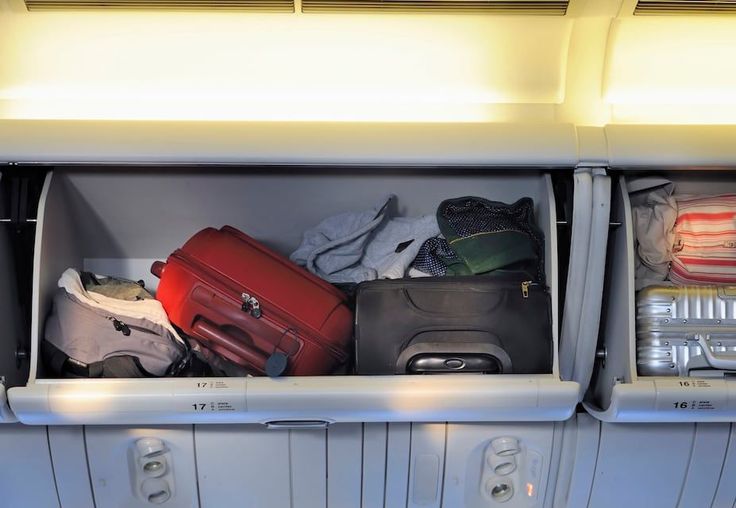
(397, 464)
(245, 466)
(659, 465)
(118, 476)
(307, 468)
(362, 465)
(641, 465)
(374, 464)
(344, 465)
(469, 474)
(651, 146)
(707, 469)
(427, 464)
(412, 398)
(252, 466)
(131, 401)
(83, 224)
(28, 478)
(69, 457)
(554, 460)
(580, 439)
(726, 494)
(526, 144)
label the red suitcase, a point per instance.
(253, 306)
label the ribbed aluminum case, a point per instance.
(669, 317)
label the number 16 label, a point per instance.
(690, 394)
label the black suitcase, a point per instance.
(453, 324)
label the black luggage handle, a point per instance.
(210, 332)
(272, 365)
(445, 357)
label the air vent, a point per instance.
(198, 5)
(528, 7)
(685, 7)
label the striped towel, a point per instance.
(705, 241)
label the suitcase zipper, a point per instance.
(119, 326)
(125, 328)
(251, 305)
(525, 287)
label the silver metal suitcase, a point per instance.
(686, 330)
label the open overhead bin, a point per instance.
(118, 220)
(637, 380)
(109, 236)
(435, 107)
(350, 105)
(670, 94)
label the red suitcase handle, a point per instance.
(213, 333)
(157, 268)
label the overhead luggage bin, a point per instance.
(671, 146)
(618, 392)
(117, 221)
(302, 143)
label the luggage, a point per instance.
(453, 324)
(686, 330)
(105, 327)
(253, 306)
(491, 235)
(704, 250)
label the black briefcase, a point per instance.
(453, 324)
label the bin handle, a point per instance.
(722, 361)
(297, 424)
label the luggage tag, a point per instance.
(276, 363)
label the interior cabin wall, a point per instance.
(682, 465)
(348, 465)
(28, 479)
(596, 67)
(118, 223)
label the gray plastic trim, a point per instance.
(577, 269)
(208, 142)
(592, 301)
